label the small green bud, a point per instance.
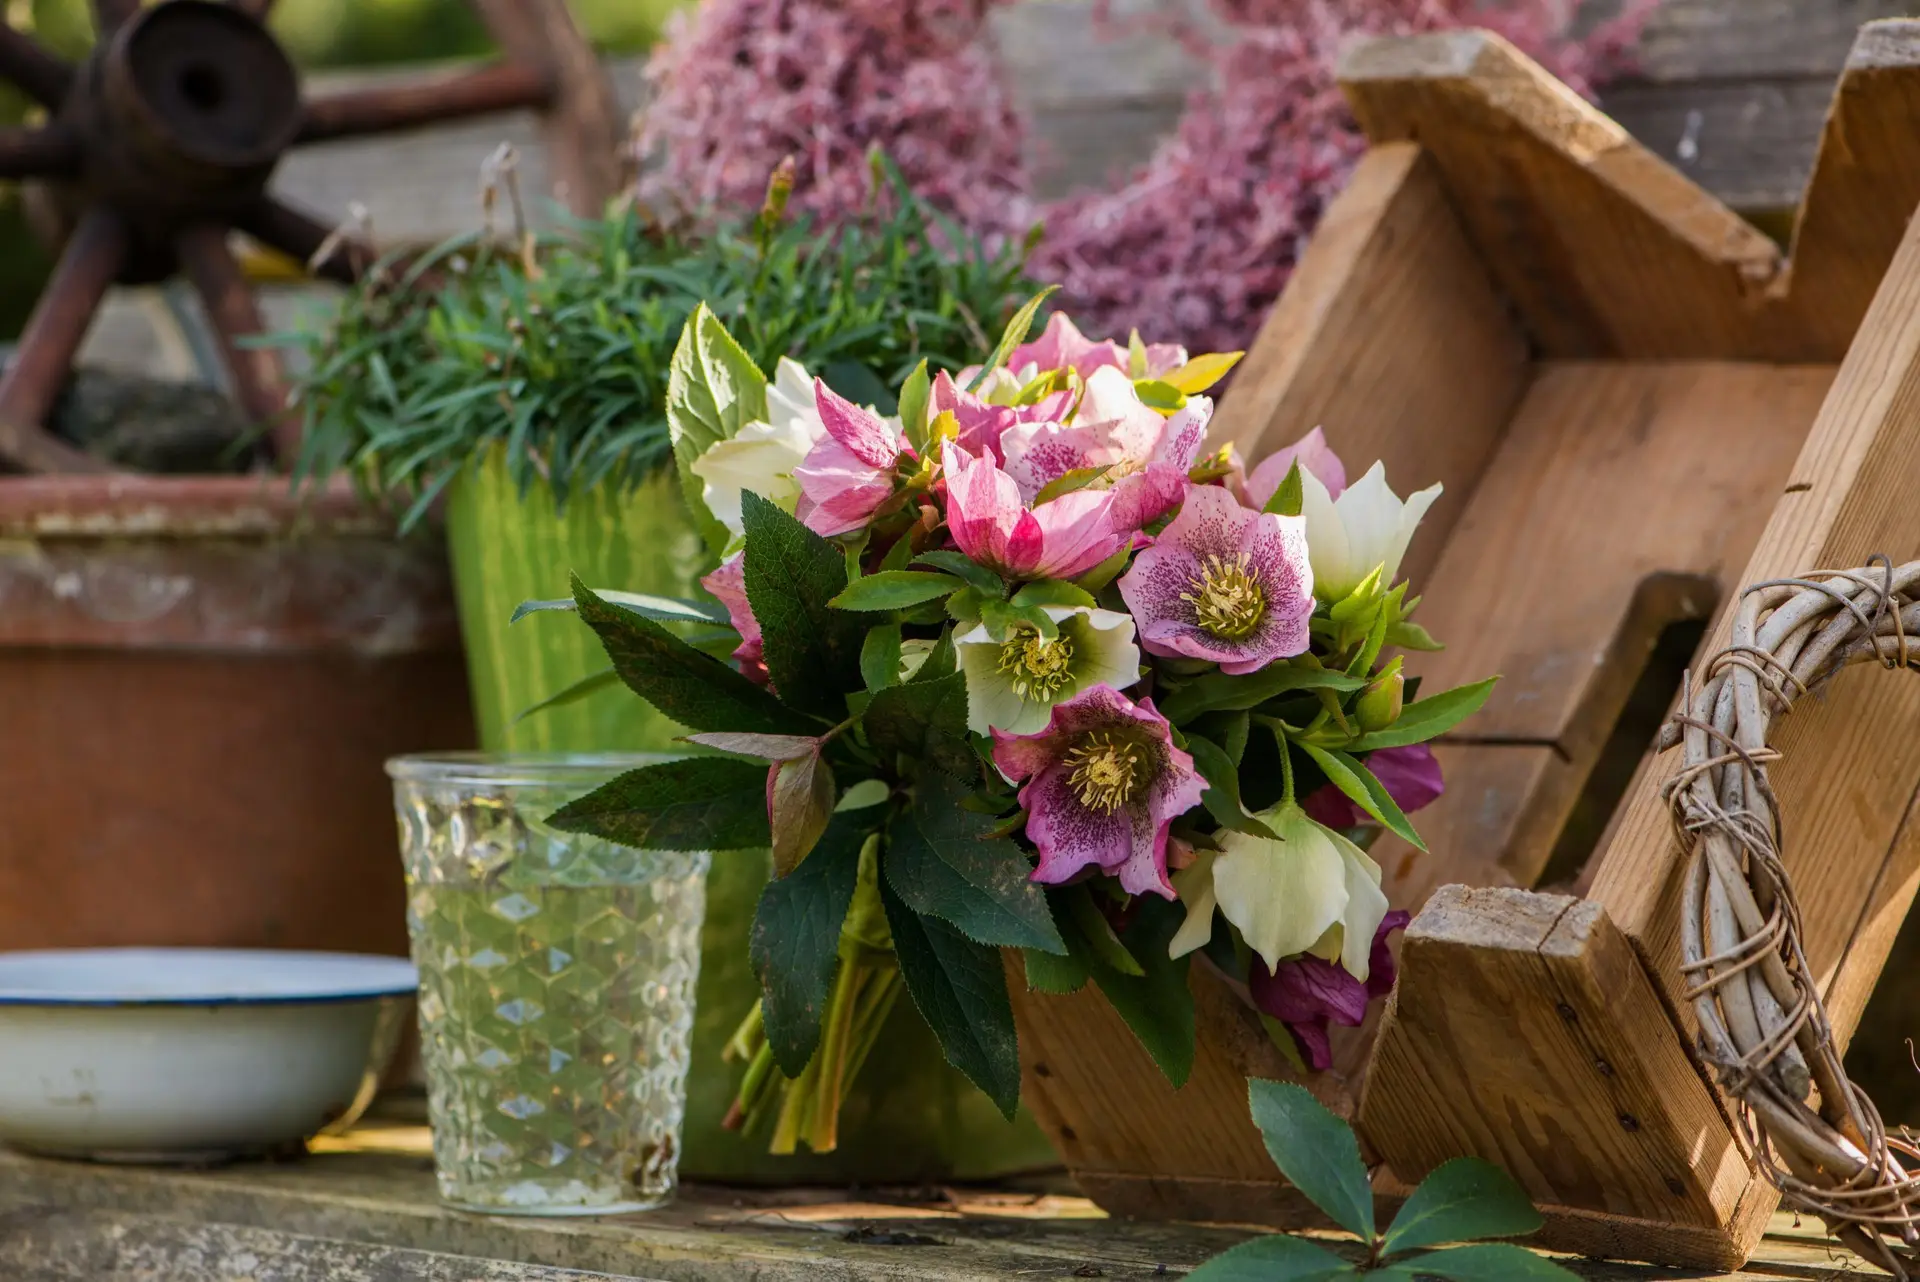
(1379, 704)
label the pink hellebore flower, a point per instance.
(1056, 540)
(1104, 783)
(1311, 452)
(1410, 775)
(982, 423)
(1306, 993)
(1225, 583)
(1062, 346)
(848, 473)
(729, 586)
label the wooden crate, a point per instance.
(1636, 403)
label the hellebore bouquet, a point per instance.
(1029, 666)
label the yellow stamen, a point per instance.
(1107, 770)
(1036, 668)
(1227, 600)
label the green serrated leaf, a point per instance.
(713, 389)
(688, 685)
(1290, 497)
(960, 989)
(940, 861)
(896, 590)
(1464, 1200)
(880, 657)
(1058, 975)
(1217, 691)
(1360, 786)
(925, 720)
(1489, 1262)
(1428, 718)
(1003, 618)
(1014, 335)
(699, 803)
(959, 563)
(812, 649)
(1316, 1151)
(1093, 933)
(1156, 1004)
(796, 938)
(1278, 1258)
(1053, 592)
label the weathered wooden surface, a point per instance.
(367, 1213)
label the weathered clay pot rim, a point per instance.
(174, 507)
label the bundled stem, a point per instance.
(1762, 1022)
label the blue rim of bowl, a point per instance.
(357, 993)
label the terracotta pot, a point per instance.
(200, 679)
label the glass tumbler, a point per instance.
(557, 976)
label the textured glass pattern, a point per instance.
(557, 977)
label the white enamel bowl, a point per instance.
(190, 1055)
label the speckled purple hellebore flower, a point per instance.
(1103, 784)
(1306, 993)
(1225, 583)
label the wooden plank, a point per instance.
(1605, 249)
(1865, 184)
(1848, 767)
(1390, 336)
(1691, 40)
(1525, 1031)
(1491, 789)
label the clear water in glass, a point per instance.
(557, 977)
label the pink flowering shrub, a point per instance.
(741, 84)
(1203, 237)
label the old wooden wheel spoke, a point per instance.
(168, 140)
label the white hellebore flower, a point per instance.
(1366, 526)
(1310, 891)
(762, 455)
(1012, 685)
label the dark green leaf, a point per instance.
(792, 574)
(585, 686)
(713, 388)
(1222, 797)
(926, 720)
(896, 589)
(1049, 974)
(665, 609)
(1428, 717)
(699, 803)
(960, 989)
(959, 563)
(1003, 618)
(1274, 1259)
(1489, 1262)
(686, 684)
(1094, 933)
(941, 661)
(880, 657)
(1157, 1004)
(1217, 691)
(1365, 791)
(1316, 1151)
(1014, 335)
(1105, 572)
(1462, 1201)
(796, 937)
(1290, 497)
(941, 863)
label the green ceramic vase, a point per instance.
(910, 1118)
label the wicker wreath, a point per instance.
(1762, 1023)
